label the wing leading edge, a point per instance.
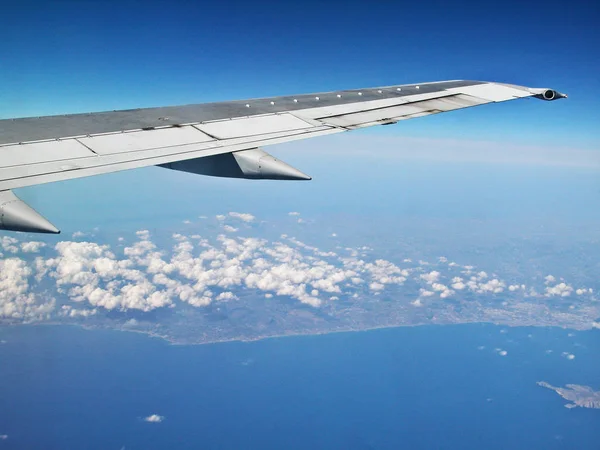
(54, 148)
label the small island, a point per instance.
(583, 396)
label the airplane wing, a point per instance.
(217, 139)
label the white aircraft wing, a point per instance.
(218, 139)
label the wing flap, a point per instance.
(20, 155)
(252, 126)
(133, 141)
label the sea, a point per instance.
(426, 387)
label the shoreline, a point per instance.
(172, 341)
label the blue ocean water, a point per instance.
(429, 387)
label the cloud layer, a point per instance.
(78, 279)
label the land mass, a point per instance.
(583, 396)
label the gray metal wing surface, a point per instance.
(190, 138)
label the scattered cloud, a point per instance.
(154, 418)
(32, 246)
(144, 273)
(569, 356)
(561, 289)
(431, 277)
(245, 217)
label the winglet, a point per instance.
(16, 215)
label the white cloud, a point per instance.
(16, 300)
(431, 277)
(195, 271)
(376, 286)
(561, 289)
(569, 356)
(32, 246)
(154, 418)
(9, 244)
(229, 228)
(293, 213)
(3, 437)
(549, 279)
(242, 216)
(223, 296)
(503, 353)
(458, 285)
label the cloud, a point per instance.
(224, 296)
(3, 437)
(293, 213)
(561, 289)
(431, 277)
(569, 356)
(9, 244)
(32, 246)
(16, 300)
(229, 229)
(154, 418)
(242, 216)
(147, 273)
